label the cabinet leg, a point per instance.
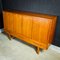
(12, 37)
(38, 50)
(9, 36)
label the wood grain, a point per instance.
(17, 24)
(34, 29)
(27, 26)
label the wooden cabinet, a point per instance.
(35, 29)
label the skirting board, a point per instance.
(55, 48)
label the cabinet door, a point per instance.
(8, 21)
(40, 30)
(17, 23)
(27, 26)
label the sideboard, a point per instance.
(32, 28)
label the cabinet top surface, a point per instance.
(31, 14)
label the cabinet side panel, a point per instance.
(52, 30)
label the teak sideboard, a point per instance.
(35, 29)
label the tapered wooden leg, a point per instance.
(38, 50)
(12, 37)
(9, 36)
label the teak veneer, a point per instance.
(35, 29)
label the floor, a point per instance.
(14, 49)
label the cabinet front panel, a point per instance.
(40, 29)
(8, 21)
(17, 23)
(27, 26)
(5, 20)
